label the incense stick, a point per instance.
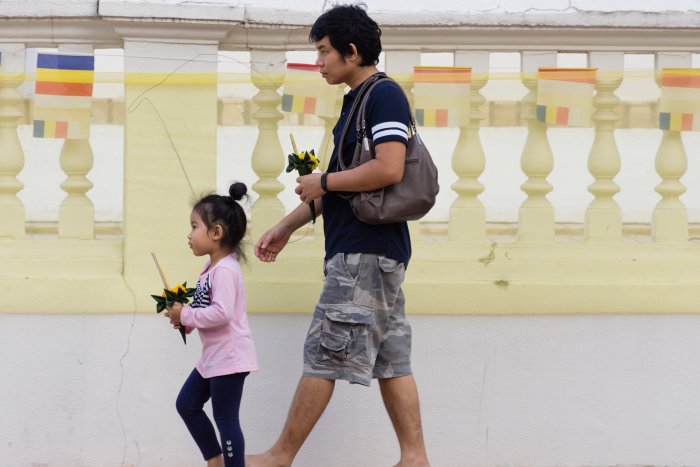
(294, 144)
(160, 271)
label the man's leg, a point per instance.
(400, 397)
(310, 400)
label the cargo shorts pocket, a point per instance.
(345, 337)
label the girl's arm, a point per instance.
(220, 311)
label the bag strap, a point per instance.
(361, 124)
(361, 95)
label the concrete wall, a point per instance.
(99, 390)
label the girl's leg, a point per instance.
(226, 394)
(193, 395)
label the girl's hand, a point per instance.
(173, 313)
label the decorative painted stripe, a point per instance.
(437, 74)
(572, 75)
(61, 129)
(303, 67)
(64, 76)
(680, 77)
(679, 121)
(554, 115)
(432, 117)
(64, 89)
(66, 62)
(298, 104)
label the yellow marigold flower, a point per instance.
(177, 289)
(313, 160)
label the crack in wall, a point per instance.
(121, 369)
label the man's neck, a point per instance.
(361, 75)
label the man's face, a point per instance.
(334, 68)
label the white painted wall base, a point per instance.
(569, 390)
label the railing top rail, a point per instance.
(564, 26)
(267, 13)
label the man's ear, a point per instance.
(354, 54)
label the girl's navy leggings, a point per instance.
(225, 394)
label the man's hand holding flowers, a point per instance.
(305, 162)
(309, 187)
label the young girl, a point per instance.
(218, 312)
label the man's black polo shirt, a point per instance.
(387, 115)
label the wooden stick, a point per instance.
(182, 329)
(294, 144)
(160, 271)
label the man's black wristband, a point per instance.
(324, 187)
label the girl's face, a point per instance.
(201, 240)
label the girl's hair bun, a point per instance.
(237, 191)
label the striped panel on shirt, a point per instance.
(202, 294)
(389, 131)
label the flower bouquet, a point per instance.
(179, 293)
(303, 162)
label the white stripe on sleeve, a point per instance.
(382, 126)
(389, 132)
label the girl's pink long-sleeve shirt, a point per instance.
(218, 312)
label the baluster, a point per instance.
(536, 212)
(603, 216)
(11, 154)
(399, 65)
(467, 214)
(76, 215)
(268, 158)
(670, 217)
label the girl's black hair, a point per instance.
(228, 213)
(345, 24)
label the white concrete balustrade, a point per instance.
(170, 127)
(469, 257)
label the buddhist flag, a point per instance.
(306, 92)
(565, 96)
(679, 107)
(63, 96)
(441, 95)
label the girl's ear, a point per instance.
(217, 232)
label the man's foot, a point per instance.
(265, 459)
(413, 463)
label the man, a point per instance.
(359, 330)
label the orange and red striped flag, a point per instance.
(441, 95)
(679, 107)
(306, 92)
(565, 96)
(63, 96)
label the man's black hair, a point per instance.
(346, 24)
